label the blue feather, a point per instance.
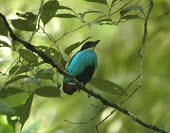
(79, 62)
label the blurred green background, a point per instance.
(118, 62)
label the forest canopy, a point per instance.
(130, 90)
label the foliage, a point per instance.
(28, 77)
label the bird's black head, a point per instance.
(89, 44)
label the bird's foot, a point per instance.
(80, 86)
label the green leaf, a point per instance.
(69, 49)
(133, 7)
(5, 92)
(93, 11)
(46, 74)
(98, 1)
(16, 78)
(113, 1)
(49, 51)
(19, 109)
(24, 25)
(3, 43)
(65, 15)
(27, 55)
(53, 53)
(100, 21)
(23, 68)
(13, 70)
(13, 119)
(31, 80)
(49, 10)
(3, 29)
(48, 91)
(18, 69)
(25, 110)
(85, 40)
(28, 15)
(104, 20)
(106, 86)
(65, 7)
(6, 109)
(132, 17)
(82, 15)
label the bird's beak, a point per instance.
(96, 42)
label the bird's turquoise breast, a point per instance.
(79, 62)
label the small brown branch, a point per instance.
(123, 92)
(130, 95)
(85, 122)
(97, 129)
(166, 13)
(105, 118)
(124, 111)
(55, 41)
(140, 53)
(119, 9)
(121, 102)
(32, 48)
(91, 119)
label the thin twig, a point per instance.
(96, 106)
(124, 111)
(123, 92)
(141, 63)
(105, 118)
(140, 53)
(119, 9)
(32, 48)
(90, 23)
(55, 41)
(91, 119)
(85, 122)
(130, 95)
(37, 21)
(11, 65)
(97, 129)
(121, 102)
(166, 13)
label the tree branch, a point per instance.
(124, 111)
(32, 48)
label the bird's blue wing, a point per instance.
(81, 60)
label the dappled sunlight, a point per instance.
(115, 126)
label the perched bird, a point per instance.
(82, 66)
